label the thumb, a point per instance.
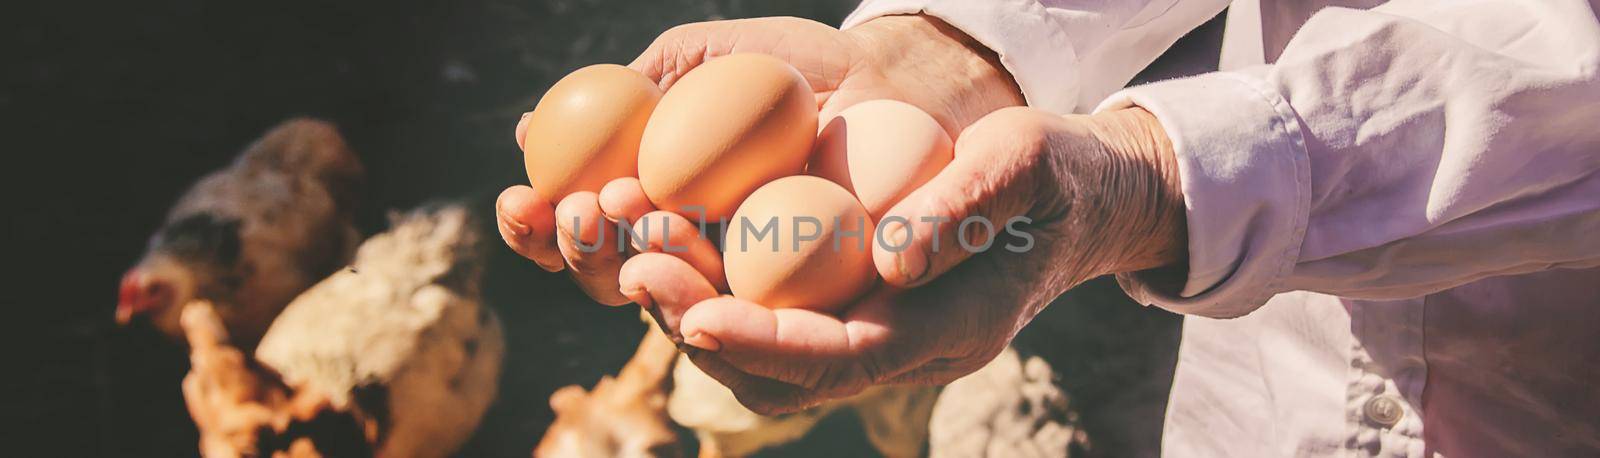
(994, 178)
(679, 50)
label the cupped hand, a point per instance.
(915, 59)
(1098, 193)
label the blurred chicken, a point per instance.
(1010, 407)
(393, 357)
(895, 417)
(625, 416)
(252, 236)
(242, 409)
(400, 340)
(634, 414)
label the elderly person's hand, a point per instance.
(1101, 192)
(914, 59)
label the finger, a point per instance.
(936, 352)
(963, 209)
(760, 395)
(588, 243)
(623, 199)
(812, 350)
(522, 130)
(665, 284)
(527, 224)
(671, 233)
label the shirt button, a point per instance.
(1383, 411)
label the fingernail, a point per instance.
(573, 233)
(565, 232)
(912, 265)
(911, 262)
(703, 341)
(516, 226)
(522, 129)
(549, 268)
(898, 234)
(638, 296)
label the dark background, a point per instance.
(109, 110)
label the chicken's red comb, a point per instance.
(137, 295)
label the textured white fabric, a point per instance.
(1400, 200)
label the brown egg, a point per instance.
(802, 242)
(585, 131)
(881, 151)
(723, 130)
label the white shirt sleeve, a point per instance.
(1389, 153)
(1066, 55)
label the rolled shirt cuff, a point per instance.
(1038, 54)
(1245, 173)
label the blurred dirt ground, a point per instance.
(110, 109)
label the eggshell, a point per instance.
(723, 130)
(823, 274)
(585, 131)
(880, 151)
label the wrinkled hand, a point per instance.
(914, 59)
(1102, 195)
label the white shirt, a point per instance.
(1393, 213)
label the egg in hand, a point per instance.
(880, 151)
(586, 129)
(801, 242)
(726, 128)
